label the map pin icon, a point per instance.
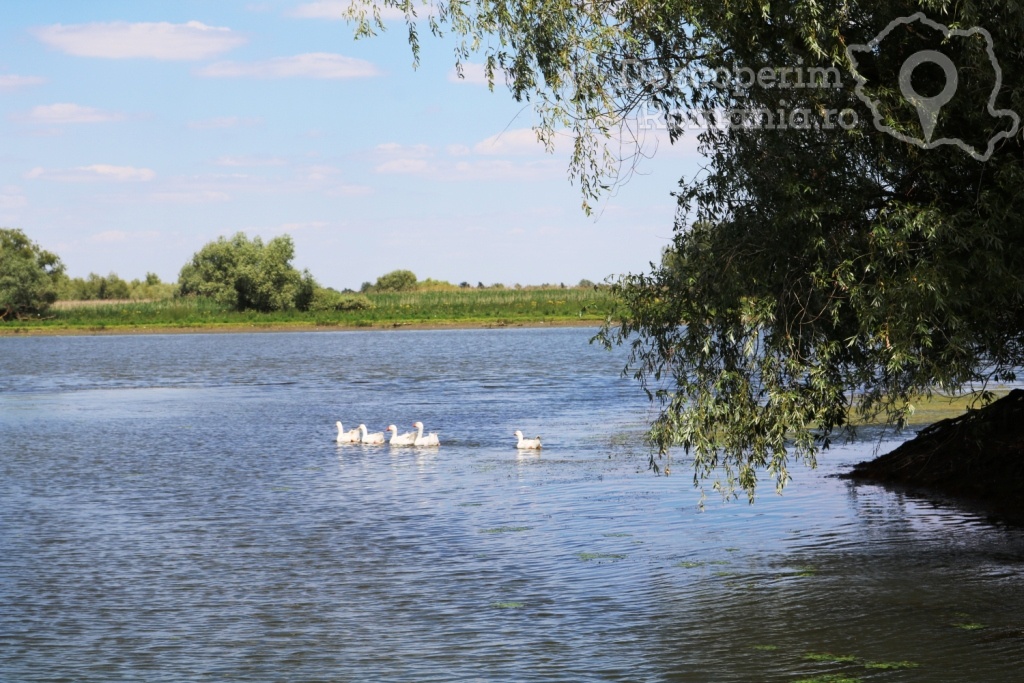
(928, 107)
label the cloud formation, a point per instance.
(123, 40)
(473, 74)
(12, 81)
(94, 172)
(320, 65)
(66, 112)
(335, 10)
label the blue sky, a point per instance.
(136, 132)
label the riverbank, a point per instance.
(236, 328)
(975, 458)
(412, 310)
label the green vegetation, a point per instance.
(100, 288)
(245, 274)
(596, 557)
(891, 666)
(244, 283)
(820, 274)
(395, 281)
(465, 307)
(29, 276)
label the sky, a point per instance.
(133, 133)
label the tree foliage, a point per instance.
(29, 275)
(823, 270)
(396, 281)
(247, 274)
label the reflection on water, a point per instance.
(175, 508)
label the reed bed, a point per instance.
(487, 307)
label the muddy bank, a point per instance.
(976, 458)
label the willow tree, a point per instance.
(855, 241)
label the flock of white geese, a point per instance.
(417, 438)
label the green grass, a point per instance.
(495, 307)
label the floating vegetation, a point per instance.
(726, 575)
(686, 564)
(829, 678)
(805, 571)
(506, 605)
(470, 505)
(970, 626)
(592, 557)
(505, 529)
(829, 657)
(889, 666)
(732, 550)
(766, 648)
(617, 534)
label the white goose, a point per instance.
(527, 443)
(407, 439)
(351, 436)
(375, 438)
(428, 440)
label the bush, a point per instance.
(325, 299)
(396, 281)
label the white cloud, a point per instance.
(12, 201)
(516, 141)
(336, 10)
(398, 149)
(65, 112)
(473, 74)
(123, 40)
(119, 173)
(109, 236)
(403, 166)
(122, 236)
(502, 169)
(189, 197)
(245, 161)
(343, 190)
(12, 81)
(323, 65)
(295, 227)
(221, 122)
(94, 172)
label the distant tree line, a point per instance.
(237, 272)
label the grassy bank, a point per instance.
(464, 307)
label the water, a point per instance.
(175, 508)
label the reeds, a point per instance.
(470, 306)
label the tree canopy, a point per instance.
(29, 275)
(850, 245)
(247, 274)
(396, 281)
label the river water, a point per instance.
(174, 507)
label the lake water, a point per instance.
(175, 508)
